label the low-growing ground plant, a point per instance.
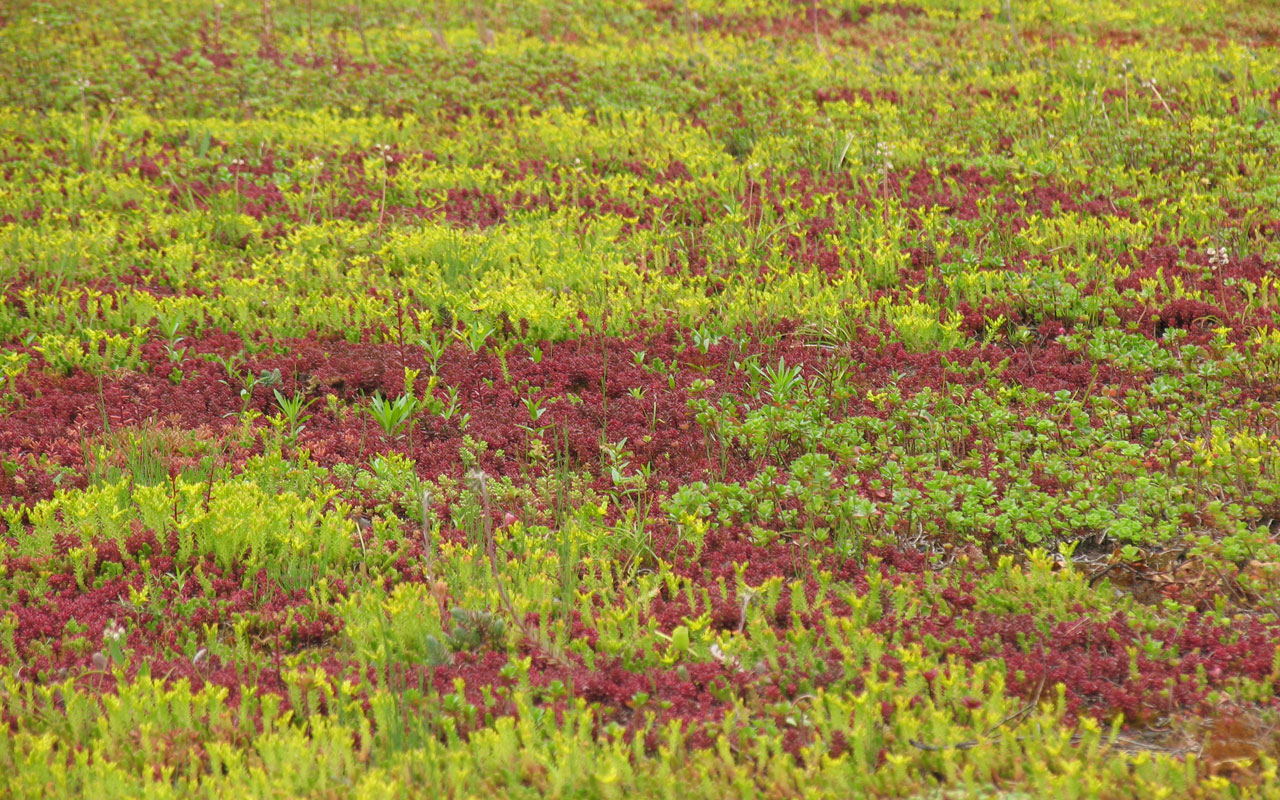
(715, 400)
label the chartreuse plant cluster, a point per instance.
(716, 399)
(403, 745)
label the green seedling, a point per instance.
(392, 416)
(291, 409)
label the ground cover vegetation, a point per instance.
(698, 399)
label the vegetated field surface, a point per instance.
(687, 399)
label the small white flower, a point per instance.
(884, 152)
(719, 655)
(1218, 257)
